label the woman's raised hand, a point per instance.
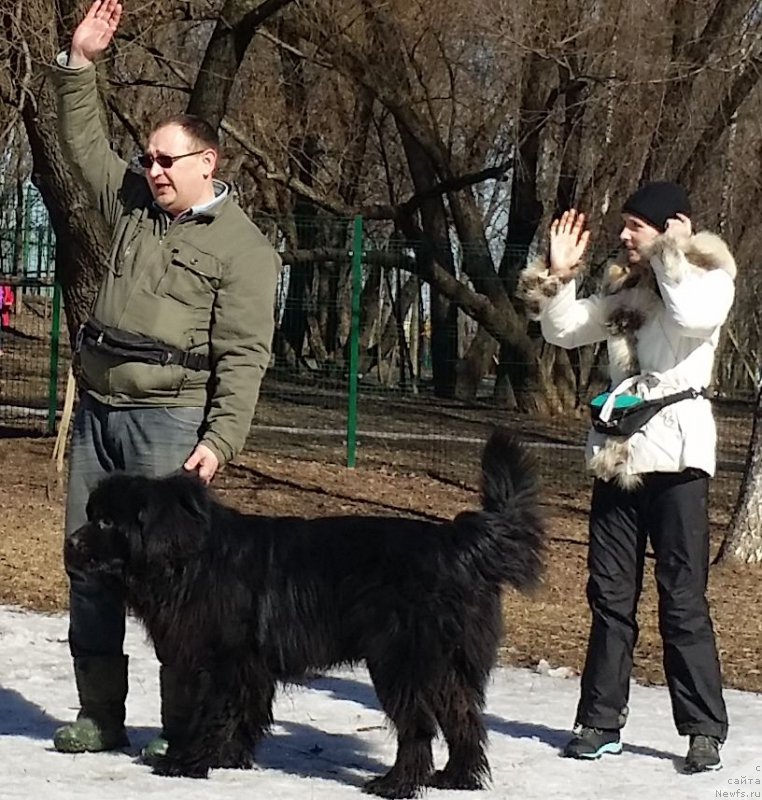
(568, 242)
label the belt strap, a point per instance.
(137, 347)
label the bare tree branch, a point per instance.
(375, 211)
(236, 26)
(696, 161)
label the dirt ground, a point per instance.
(551, 625)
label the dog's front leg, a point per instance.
(193, 743)
(248, 717)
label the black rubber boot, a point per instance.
(102, 688)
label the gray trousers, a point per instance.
(105, 439)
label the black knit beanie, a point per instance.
(657, 202)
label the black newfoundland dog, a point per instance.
(245, 601)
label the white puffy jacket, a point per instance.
(665, 332)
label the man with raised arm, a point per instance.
(171, 357)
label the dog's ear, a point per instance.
(176, 519)
(119, 498)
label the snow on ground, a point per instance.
(330, 736)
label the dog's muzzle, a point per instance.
(75, 549)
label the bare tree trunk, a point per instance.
(294, 323)
(20, 222)
(303, 151)
(387, 41)
(391, 340)
(352, 168)
(370, 311)
(526, 204)
(327, 312)
(444, 313)
(235, 28)
(743, 541)
(475, 364)
(81, 234)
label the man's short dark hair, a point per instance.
(196, 128)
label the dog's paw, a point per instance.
(442, 779)
(170, 767)
(386, 786)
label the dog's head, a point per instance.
(136, 523)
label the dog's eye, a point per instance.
(104, 524)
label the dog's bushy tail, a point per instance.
(509, 532)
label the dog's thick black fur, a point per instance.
(240, 602)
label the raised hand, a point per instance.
(568, 242)
(680, 228)
(94, 34)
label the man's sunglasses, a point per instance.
(162, 159)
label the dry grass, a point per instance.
(551, 625)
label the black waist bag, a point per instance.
(626, 419)
(136, 347)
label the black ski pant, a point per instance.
(670, 509)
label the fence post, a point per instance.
(354, 342)
(54, 345)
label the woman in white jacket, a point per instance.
(660, 313)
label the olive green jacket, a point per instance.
(204, 282)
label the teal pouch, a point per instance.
(631, 413)
(623, 401)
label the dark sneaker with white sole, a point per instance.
(703, 754)
(592, 743)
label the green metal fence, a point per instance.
(352, 378)
(34, 354)
(35, 358)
